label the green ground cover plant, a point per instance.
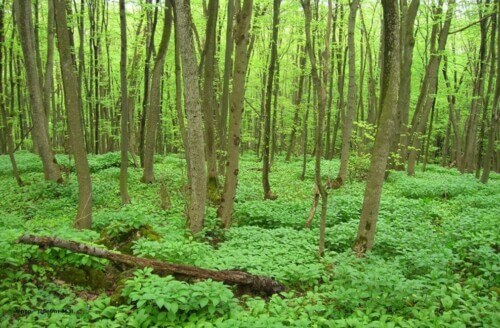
(435, 262)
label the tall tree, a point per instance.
(495, 112)
(389, 95)
(267, 105)
(195, 141)
(153, 114)
(7, 126)
(351, 95)
(209, 100)
(470, 146)
(428, 90)
(241, 37)
(72, 101)
(320, 83)
(408, 17)
(22, 10)
(228, 67)
(124, 135)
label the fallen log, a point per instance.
(246, 281)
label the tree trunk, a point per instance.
(72, 101)
(7, 126)
(195, 143)
(297, 102)
(228, 68)
(24, 22)
(407, 44)
(209, 101)
(267, 106)
(470, 149)
(153, 114)
(351, 95)
(150, 32)
(320, 88)
(429, 87)
(495, 113)
(369, 214)
(241, 37)
(124, 135)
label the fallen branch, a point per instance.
(249, 282)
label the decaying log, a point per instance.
(244, 280)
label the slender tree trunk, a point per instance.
(495, 113)
(228, 67)
(153, 114)
(305, 131)
(150, 32)
(429, 87)
(320, 88)
(351, 96)
(24, 22)
(209, 101)
(267, 106)
(72, 101)
(195, 142)
(297, 102)
(476, 102)
(407, 44)
(7, 126)
(241, 37)
(124, 135)
(369, 213)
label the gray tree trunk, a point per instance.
(241, 37)
(153, 114)
(351, 95)
(369, 214)
(72, 102)
(124, 135)
(195, 140)
(24, 22)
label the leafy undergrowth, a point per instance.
(435, 264)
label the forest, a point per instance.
(249, 163)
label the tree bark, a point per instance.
(267, 106)
(24, 22)
(369, 214)
(72, 101)
(297, 102)
(407, 44)
(320, 90)
(241, 38)
(153, 114)
(195, 139)
(209, 101)
(124, 135)
(495, 113)
(429, 88)
(470, 149)
(351, 96)
(7, 126)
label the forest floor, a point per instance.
(435, 262)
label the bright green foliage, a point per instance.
(435, 262)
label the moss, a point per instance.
(213, 193)
(124, 240)
(117, 298)
(97, 279)
(73, 275)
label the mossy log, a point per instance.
(246, 281)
